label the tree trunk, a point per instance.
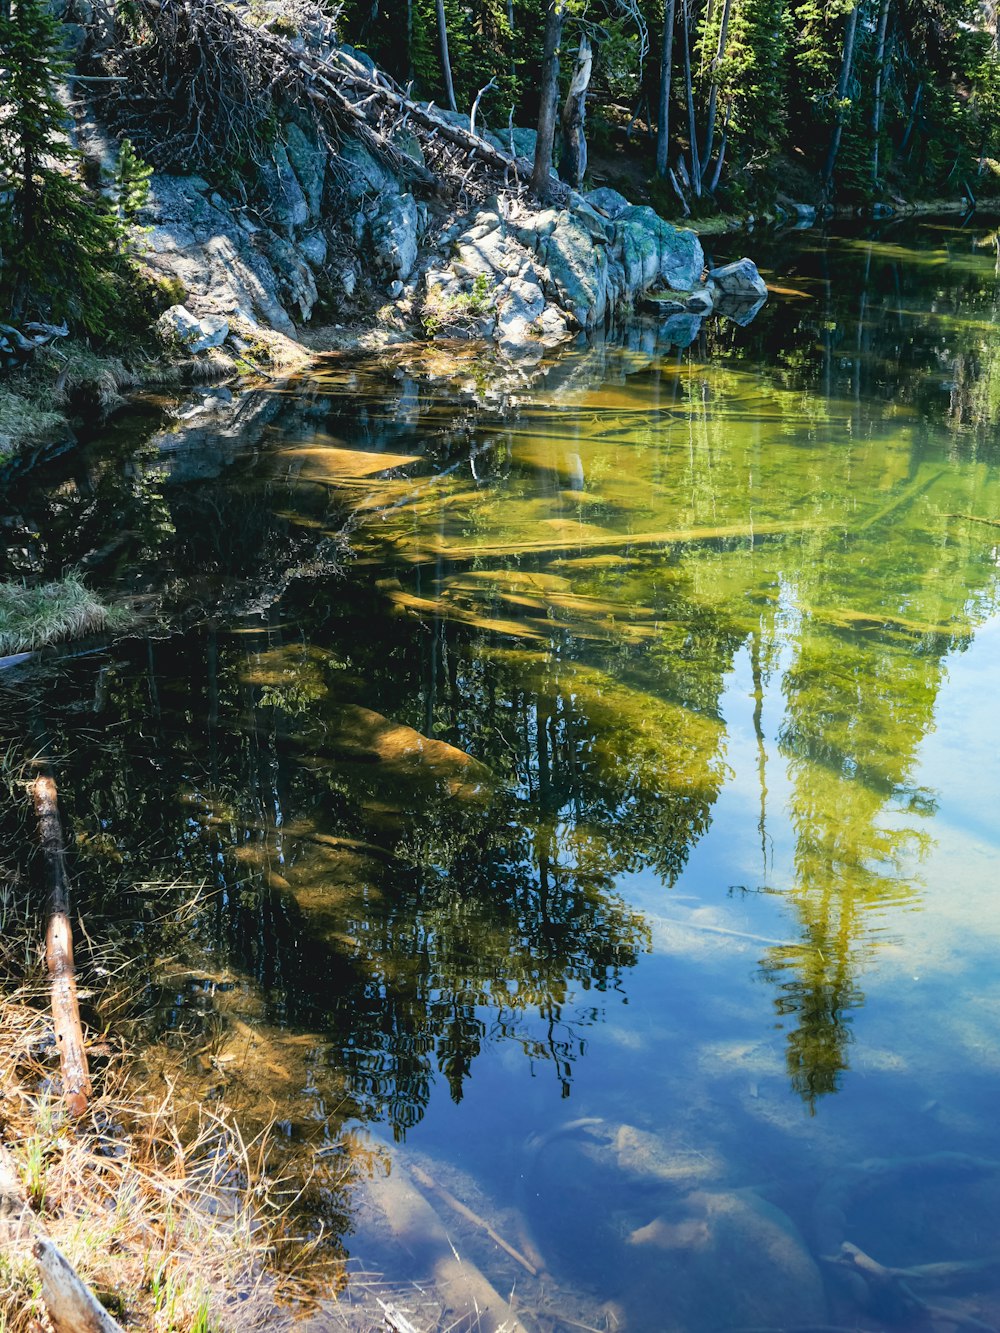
(555, 17)
(71, 1307)
(883, 20)
(713, 95)
(666, 61)
(911, 122)
(573, 164)
(59, 946)
(714, 183)
(449, 87)
(689, 90)
(846, 64)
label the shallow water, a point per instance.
(612, 840)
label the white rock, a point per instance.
(739, 279)
(194, 334)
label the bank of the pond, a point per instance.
(167, 1213)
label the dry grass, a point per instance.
(74, 374)
(34, 615)
(174, 1234)
(69, 376)
(24, 421)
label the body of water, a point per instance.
(572, 815)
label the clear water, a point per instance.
(613, 840)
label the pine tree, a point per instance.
(58, 240)
(131, 183)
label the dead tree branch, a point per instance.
(59, 945)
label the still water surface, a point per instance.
(610, 838)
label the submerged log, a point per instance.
(71, 1307)
(59, 949)
(463, 1210)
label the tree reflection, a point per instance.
(564, 604)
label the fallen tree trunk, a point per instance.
(59, 947)
(239, 72)
(327, 76)
(71, 1307)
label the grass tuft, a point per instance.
(23, 421)
(32, 616)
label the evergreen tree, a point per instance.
(58, 240)
(131, 183)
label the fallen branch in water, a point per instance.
(973, 518)
(446, 1196)
(76, 1083)
(395, 1321)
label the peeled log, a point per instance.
(59, 950)
(71, 1307)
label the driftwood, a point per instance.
(457, 1282)
(70, 1305)
(446, 1196)
(394, 1319)
(974, 518)
(59, 949)
(893, 1297)
(431, 550)
(203, 82)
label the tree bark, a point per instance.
(689, 90)
(449, 87)
(883, 20)
(714, 183)
(912, 118)
(573, 164)
(59, 949)
(69, 1304)
(555, 17)
(846, 65)
(666, 63)
(713, 95)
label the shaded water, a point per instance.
(612, 840)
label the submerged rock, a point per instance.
(640, 1220)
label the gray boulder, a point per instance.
(699, 302)
(524, 141)
(577, 264)
(365, 175)
(308, 161)
(295, 276)
(739, 280)
(178, 325)
(655, 252)
(208, 250)
(394, 229)
(608, 201)
(314, 249)
(283, 196)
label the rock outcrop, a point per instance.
(347, 223)
(529, 278)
